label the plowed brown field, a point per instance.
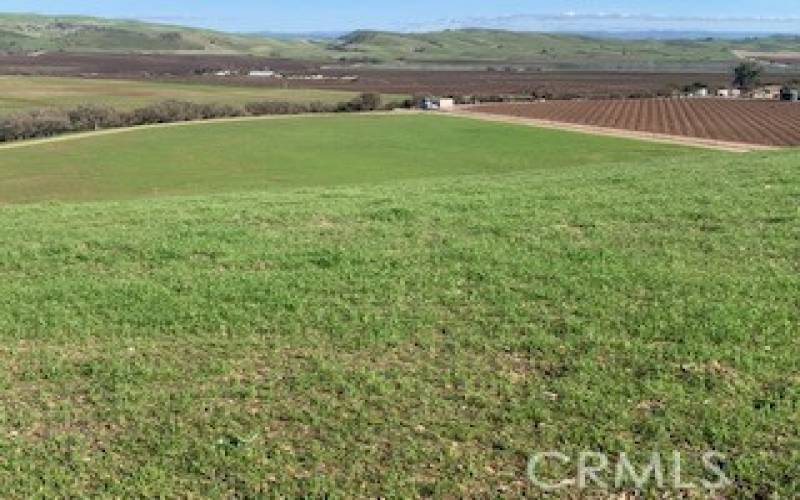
(556, 84)
(769, 123)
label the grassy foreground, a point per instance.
(416, 337)
(25, 93)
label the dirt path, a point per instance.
(732, 147)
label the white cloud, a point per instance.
(575, 21)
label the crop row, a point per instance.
(770, 123)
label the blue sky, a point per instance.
(331, 15)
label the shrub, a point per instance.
(92, 117)
(180, 111)
(365, 102)
(404, 104)
(166, 112)
(275, 108)
(370, 101)
(209, 111)
(46, 123)
(40, 123)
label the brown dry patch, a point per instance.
(41, 406)
(721, 370)
(324, 223)
(713, 368)
(650, 406)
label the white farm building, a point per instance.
(263, 73)
(443, 104)
(729, 93)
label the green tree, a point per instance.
(747, 75)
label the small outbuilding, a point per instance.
(447, 104)
(790, 94)
(729, 93)
(263, 73)
(440, 104)
(768, 92)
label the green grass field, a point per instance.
(24, 93)
(390, 306)
(294, 153)
(30, 32)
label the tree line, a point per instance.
(51, 122)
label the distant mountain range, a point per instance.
(27, 33)
(546, 49)
(308, 35)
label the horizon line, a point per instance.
(481, 24)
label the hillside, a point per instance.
(495, 45)
(402, 307)
(29, 33)
(321, 151)
(24, 32)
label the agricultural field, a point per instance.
(126, 66)
(442, 79)
(522, 82)
(390, 306)
(781, 57)
(768, 123)
(25, 93)
(475, 79)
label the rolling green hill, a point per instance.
(498, 45)
(292, 153)
(399, 306)
(25, 33)
(28, 32)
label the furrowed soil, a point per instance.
(475, 79)
(768, 123)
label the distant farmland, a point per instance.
(473, 79)
(768, 123)
(20, 93)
